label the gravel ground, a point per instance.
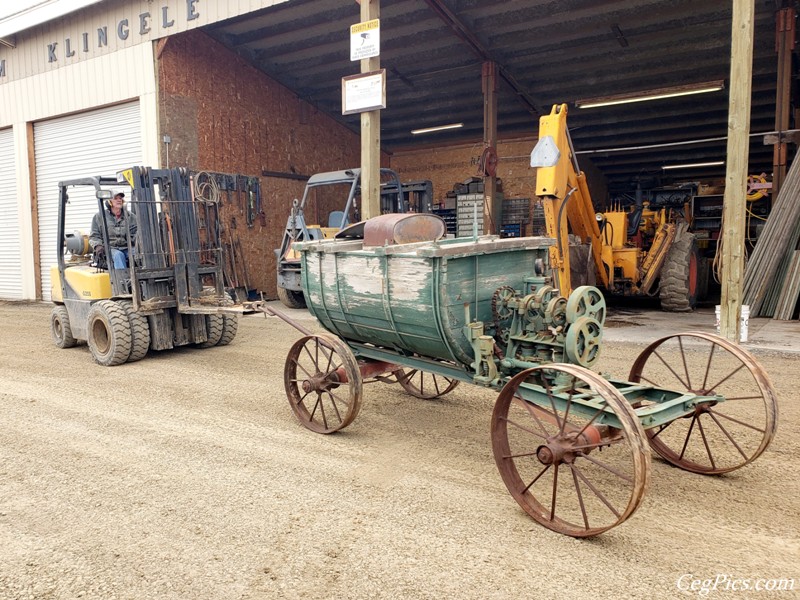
(186, 475)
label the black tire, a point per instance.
(230, 325)
(109, 333)
(214, 329)
(140, 332)
(60, 328)
(679, 276)
(291, 298)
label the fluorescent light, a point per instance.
(437, 128)
(656, 94)
(717, 163)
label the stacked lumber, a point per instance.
(768, 276)
(787, 299)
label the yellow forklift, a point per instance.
(171, 293)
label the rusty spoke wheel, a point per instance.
(422, 384)
(323, 383)
(565, 467)
(717, 437)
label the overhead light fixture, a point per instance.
(717, 163)
(437, 128)
(656, 94)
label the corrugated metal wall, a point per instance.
(99, 142)
(10, 242)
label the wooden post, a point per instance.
(733, 207)
(491, 208)
(784, 44)
(370, 132)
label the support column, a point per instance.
(733, 207)
(491, 207)
(784, 45)
(370, 132)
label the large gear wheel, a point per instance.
(501, 311)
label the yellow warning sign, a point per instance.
(365, 26)
(365, 39)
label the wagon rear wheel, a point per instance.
(323, 383)
(422, 384)
(717, 437)
(576, 470)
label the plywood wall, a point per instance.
(223, 115)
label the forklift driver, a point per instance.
(115, 215)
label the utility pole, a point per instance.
(733, 206)
(490, 85)
(370, 131)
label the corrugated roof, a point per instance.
(548, 51)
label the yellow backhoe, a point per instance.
(634, 252)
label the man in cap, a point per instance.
(116, 216)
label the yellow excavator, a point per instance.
(634, 252)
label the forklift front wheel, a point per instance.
(109, 335)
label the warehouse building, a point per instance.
(253, 88)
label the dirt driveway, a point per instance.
(186, 475)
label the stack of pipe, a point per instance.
(768, 270)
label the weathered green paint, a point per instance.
(412, 298)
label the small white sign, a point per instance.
(364, 92)
(365, 39)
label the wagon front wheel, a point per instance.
(323, 383)
(570, 449)
(422, 384)
(717, 436)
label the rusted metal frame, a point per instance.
(784, 46)
(362, 350)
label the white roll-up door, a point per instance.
(99, 142)
(10, 241)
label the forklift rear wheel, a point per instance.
(60, 327)
(109, 336)
(214, 330)
(230, 325)
(291, 298)
(140, 332)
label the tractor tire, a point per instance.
(214, 329)
(291, 298)
(140, 332)
(230, 325)
(60, 327)
(109, 333)
(679, 276)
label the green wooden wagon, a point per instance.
(573, 446)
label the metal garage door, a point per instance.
(10, 243)
(100, 142)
